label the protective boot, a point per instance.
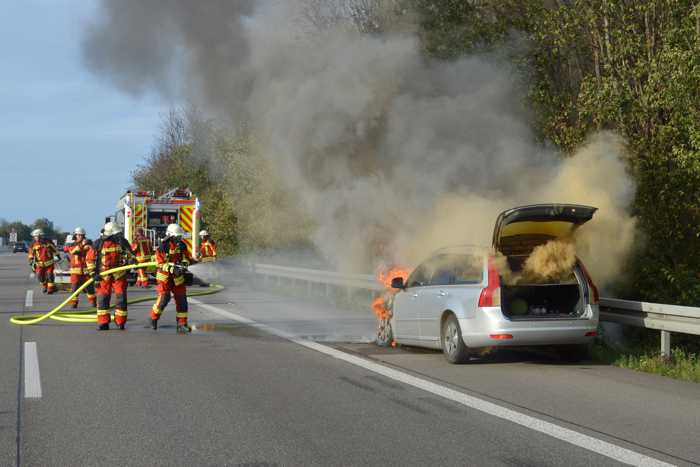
(154, 323)
(103, 327)
(183, 329)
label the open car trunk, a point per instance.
(518, 231)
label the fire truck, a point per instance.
(144, 210)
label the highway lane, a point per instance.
(13, 286)
(231, 394)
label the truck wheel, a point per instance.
(452, 344)
(385, 335)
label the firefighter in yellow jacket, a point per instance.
(110, 251)
(79, 250)
(207, 249)
(173, 258)
(41, 259)
(143, 250)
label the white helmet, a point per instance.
(79, 231)
(69, 238)
(174, 230)
(111, 228)
(37, 233)
(203, 233)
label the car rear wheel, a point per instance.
(452, 344)
(385, 334)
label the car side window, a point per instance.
(419, 277)
(457, 269)
(468, 269)
(442, 271)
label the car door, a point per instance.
(408, 303)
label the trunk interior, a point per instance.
(523, 301)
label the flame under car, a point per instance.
(465, 298)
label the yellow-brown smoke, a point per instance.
(550, 263)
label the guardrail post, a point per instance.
(665, 344)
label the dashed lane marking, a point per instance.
(32, 275)
(29, 299)
(561, 433)
(32, 377)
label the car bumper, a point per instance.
(491, 328)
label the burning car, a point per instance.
(528, 289)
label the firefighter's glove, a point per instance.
(179, 269)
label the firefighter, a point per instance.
(110, 251)
(41, 259)
(207, 250)
(173, 258)
(78, 250)
(143, 250)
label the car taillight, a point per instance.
(501, 336)
(491, 295)
(595, 297)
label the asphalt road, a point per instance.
(272, 380)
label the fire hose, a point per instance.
(90, 316)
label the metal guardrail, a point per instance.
(662, 317)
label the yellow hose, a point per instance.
(90, 316)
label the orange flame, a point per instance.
(384, 277)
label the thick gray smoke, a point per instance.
(388, 152)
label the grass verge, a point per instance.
(683, 364)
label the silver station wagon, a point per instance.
(459, 299)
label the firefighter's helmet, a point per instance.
(203, 233)
(79, 231)
(111, 228)
(37, 233)
(174, 230)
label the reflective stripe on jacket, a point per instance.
(109, 253)
(78, 252)
(207, 249)
(168, 254)
(41, 253)
(142, 249)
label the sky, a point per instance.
(68, 140)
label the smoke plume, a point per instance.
(391, 154)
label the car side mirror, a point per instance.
(397, 283)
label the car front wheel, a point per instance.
(452, 344)
(385, 335)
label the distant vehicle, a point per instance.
(457, 300)
(20, 247)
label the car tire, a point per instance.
(385, 333)
(453, 346)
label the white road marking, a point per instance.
(32, 275)
(29, 299)
(32, 378)
(576, 438)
